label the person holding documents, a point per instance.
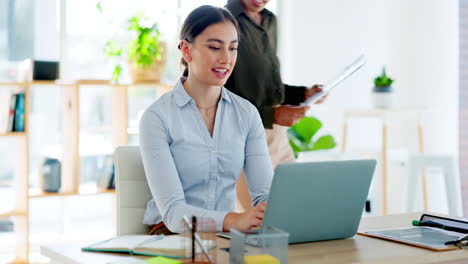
(196, 139)
(257, 78)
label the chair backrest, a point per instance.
(132, 191)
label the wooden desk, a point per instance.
(359, 249)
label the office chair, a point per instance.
(132, 191)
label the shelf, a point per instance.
(5, 183)
(84, 83)
(39, 194)
(14, 83)
(14, 134)
(60, 83)
(71, 185)
(12, 213)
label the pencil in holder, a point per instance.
(202, 229)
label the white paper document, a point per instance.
(343, 75)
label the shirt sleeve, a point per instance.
(294, 95)
(257, 165)
(163, 179)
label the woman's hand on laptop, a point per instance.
(245, 221)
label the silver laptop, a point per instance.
(316, 201)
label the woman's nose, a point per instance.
(224, 56)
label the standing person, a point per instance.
(196, 139)
(257, 78)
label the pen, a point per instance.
(198, 240)
(460, 239)
(194, 229)
(439, 225)
(158, 237)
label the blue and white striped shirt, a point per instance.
(191, 173)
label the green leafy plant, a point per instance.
(301, 136)
(143, 49)
(383, 80)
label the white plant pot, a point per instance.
(382, 100)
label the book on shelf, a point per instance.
(19, 113)
(11, 111)
(174, 246)
(5, 97)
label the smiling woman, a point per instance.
(209, 57)
(196, 139)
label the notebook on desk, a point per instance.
(428, 237)
(174, 246)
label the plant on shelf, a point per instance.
(145, 53)
(301, 136)
(383, 82)
(383, 89)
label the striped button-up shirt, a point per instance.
(190, 172)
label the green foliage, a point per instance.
(143, 49)
(99, 6)
(116, 73)
(301, 136)
(112, 49)
(383, 80)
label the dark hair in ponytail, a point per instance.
(199, 19)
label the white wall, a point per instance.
(46, 29)
(417, 40)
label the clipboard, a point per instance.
(343, 75)
(422, 236)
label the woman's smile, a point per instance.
(221, 73)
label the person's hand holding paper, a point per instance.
(317, 88)
(288, 115)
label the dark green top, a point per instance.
(256, 76)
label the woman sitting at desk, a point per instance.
(196, 139)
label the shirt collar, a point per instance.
(225, 95)
(236, 8)
(182, 97)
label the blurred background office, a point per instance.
(423, 45)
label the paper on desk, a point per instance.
(128, 261)
(162, 260)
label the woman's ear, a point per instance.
(185, 49)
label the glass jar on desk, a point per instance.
(268, 243)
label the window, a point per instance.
(463, 101)
(86, 37)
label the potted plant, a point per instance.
(145, 54)
(383, 91)
(301, 136)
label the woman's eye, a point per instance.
(214, 48)
(233, 48)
